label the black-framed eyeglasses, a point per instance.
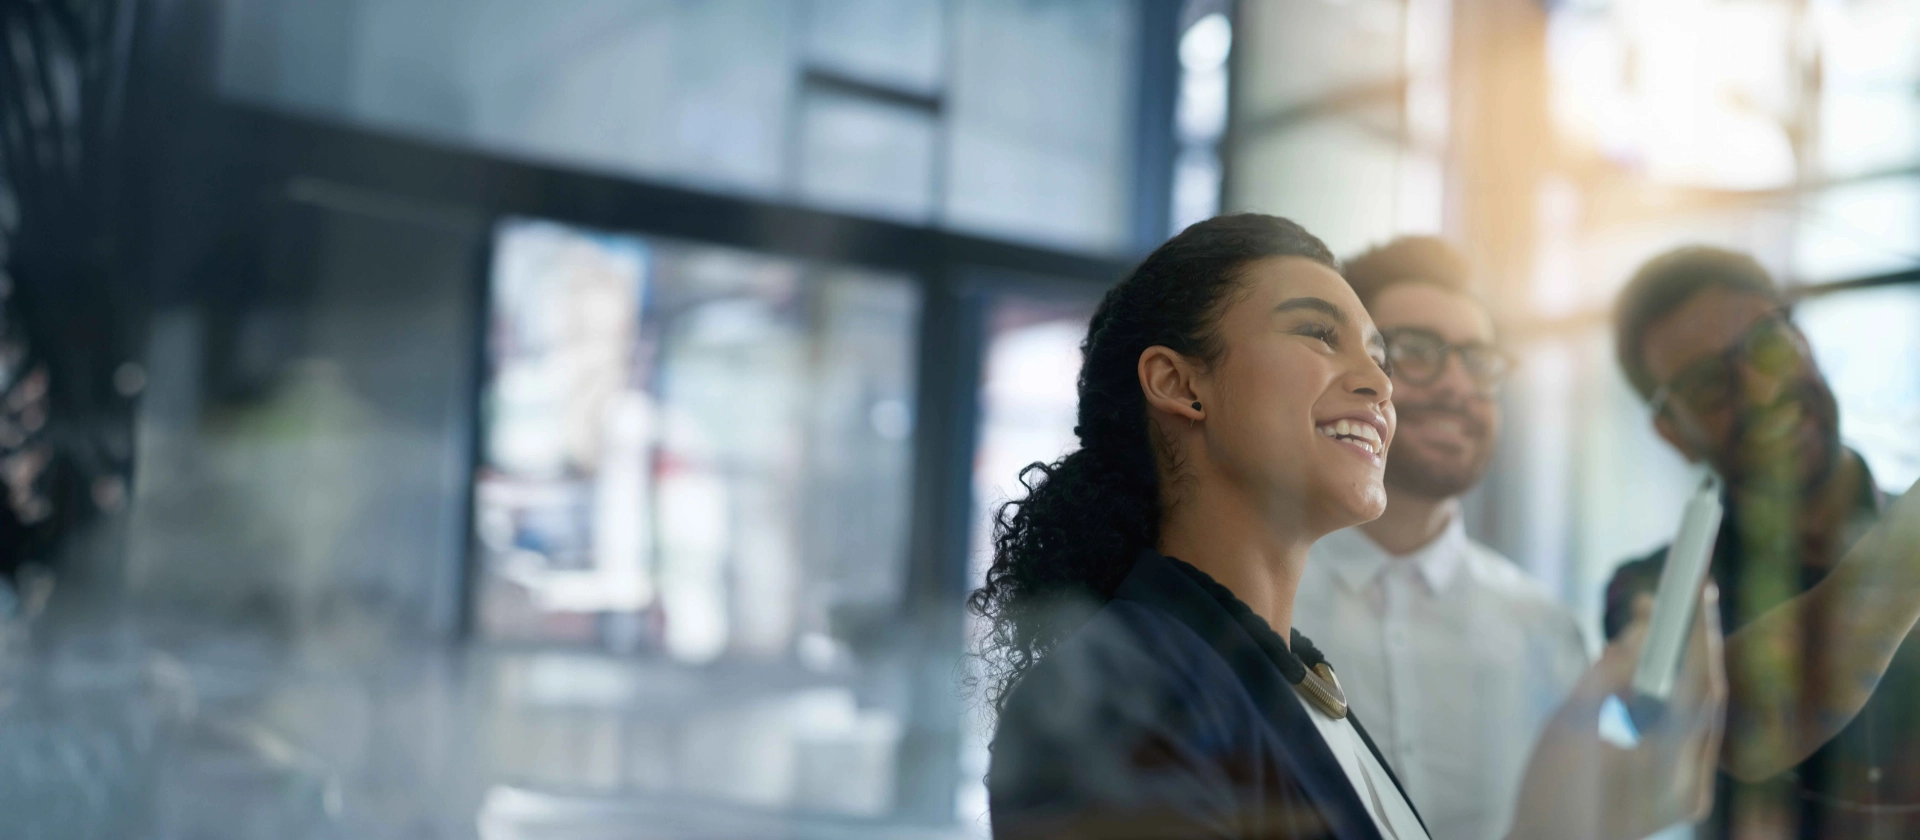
(1419, 357)
(1773, 347)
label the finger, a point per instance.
(1704, 683)
(1713, 644)
(1706, 686)
(1708, 762)
(1613, 673)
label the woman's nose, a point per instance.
(1371, 381)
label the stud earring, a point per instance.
(1196, 405)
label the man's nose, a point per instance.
(1760, 387)
(1455, 382)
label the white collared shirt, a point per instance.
(1453, 659)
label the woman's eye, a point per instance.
(1324, 334)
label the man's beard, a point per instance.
(1754, 453)
(1409, 472)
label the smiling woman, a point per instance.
(1234, 407)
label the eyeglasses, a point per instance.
(1773, 347)
(1419, 357)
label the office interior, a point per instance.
(584, 418)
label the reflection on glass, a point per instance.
(688, 449)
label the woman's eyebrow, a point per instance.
(1314, 304)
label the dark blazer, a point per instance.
(1170, 713)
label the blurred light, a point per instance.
(821, 652)
(1206, 44)
(110, 493)
(891, 419)
(129, 380)
(1857, 230)
(693, 542)
(1866, 341)
(1196, 187)
(1200, 120)
(1202, 111)
(1616, 726)
(1685, 91)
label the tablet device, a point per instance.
(1674, 603)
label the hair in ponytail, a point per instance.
(1067, 544)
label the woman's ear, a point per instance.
(1170, 382)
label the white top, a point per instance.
(1451, 657)
(1384, 802)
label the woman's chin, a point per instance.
(1353, 506)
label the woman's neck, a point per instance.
(1224, 534)
(1411, 522)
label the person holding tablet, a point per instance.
(1824, 712)
(1234, 407)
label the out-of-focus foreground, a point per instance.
(582, 418)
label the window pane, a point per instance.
(1866, 343)
(864, 156)
(897, 43)
(1300, 51)
(1867, 131)
(1339, 179)
(693, 92)
(690, 449)
(1342, 110)
(1040, 119)
(1858, 230)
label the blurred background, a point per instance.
(498, 419)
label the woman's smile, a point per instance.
(1361, 435)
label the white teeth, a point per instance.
(1362, 434)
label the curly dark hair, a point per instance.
(1063, 549)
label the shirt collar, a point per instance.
(1356, 559)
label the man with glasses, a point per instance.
(1705, 336)
(1453, 656)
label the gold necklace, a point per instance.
(1322, 689)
